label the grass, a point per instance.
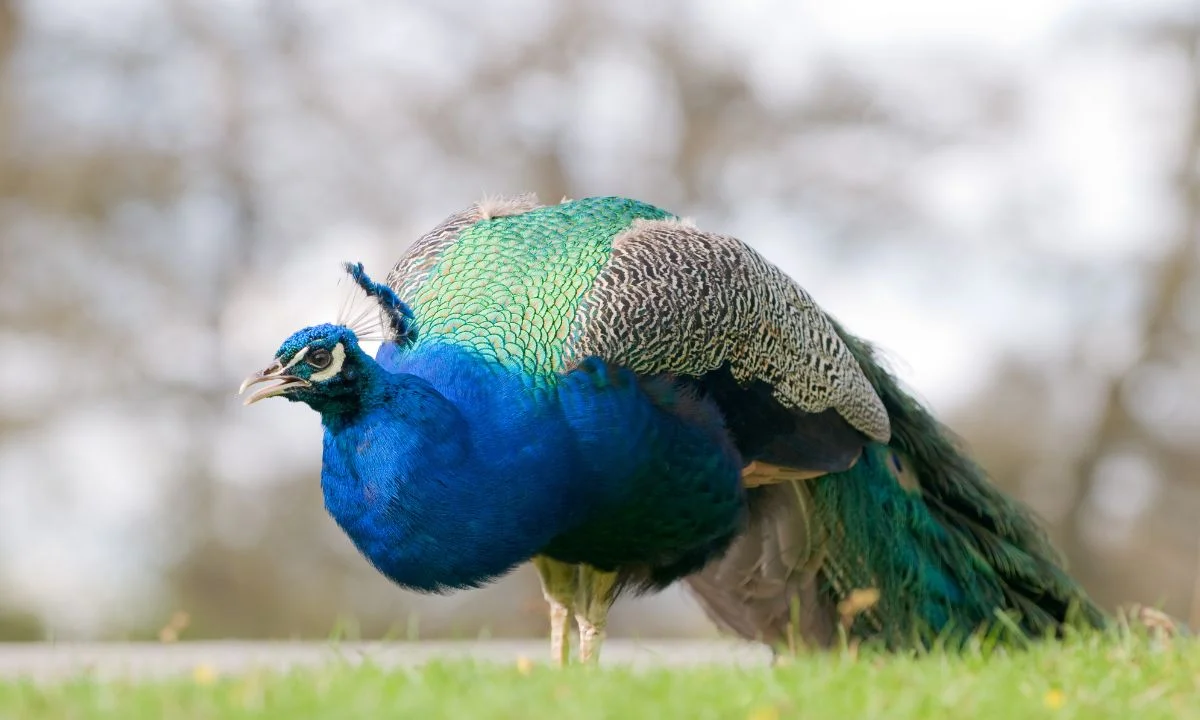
(1084, 678)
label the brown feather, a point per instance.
(766, 587)
(759, 473)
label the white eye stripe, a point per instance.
(299, 356)
(335, 365)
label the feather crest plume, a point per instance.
(386, 319)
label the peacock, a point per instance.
(603, 389)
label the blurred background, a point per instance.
(1003, 194)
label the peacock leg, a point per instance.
(560, 582)
(596, 594)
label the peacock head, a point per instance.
(323, 366)
(317, 365)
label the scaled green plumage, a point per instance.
(510, 286)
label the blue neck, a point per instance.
(427, 477)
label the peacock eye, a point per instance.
(319, 358)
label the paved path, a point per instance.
(47, 661)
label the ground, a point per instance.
(1102, 677)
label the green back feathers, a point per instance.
(508, 287)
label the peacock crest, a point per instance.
(376, 314)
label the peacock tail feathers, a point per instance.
(914, 527)
(980, 551)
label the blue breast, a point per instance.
(458, 474)
(463, 471)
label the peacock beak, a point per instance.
(274, 372)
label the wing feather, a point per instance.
(675, 299)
